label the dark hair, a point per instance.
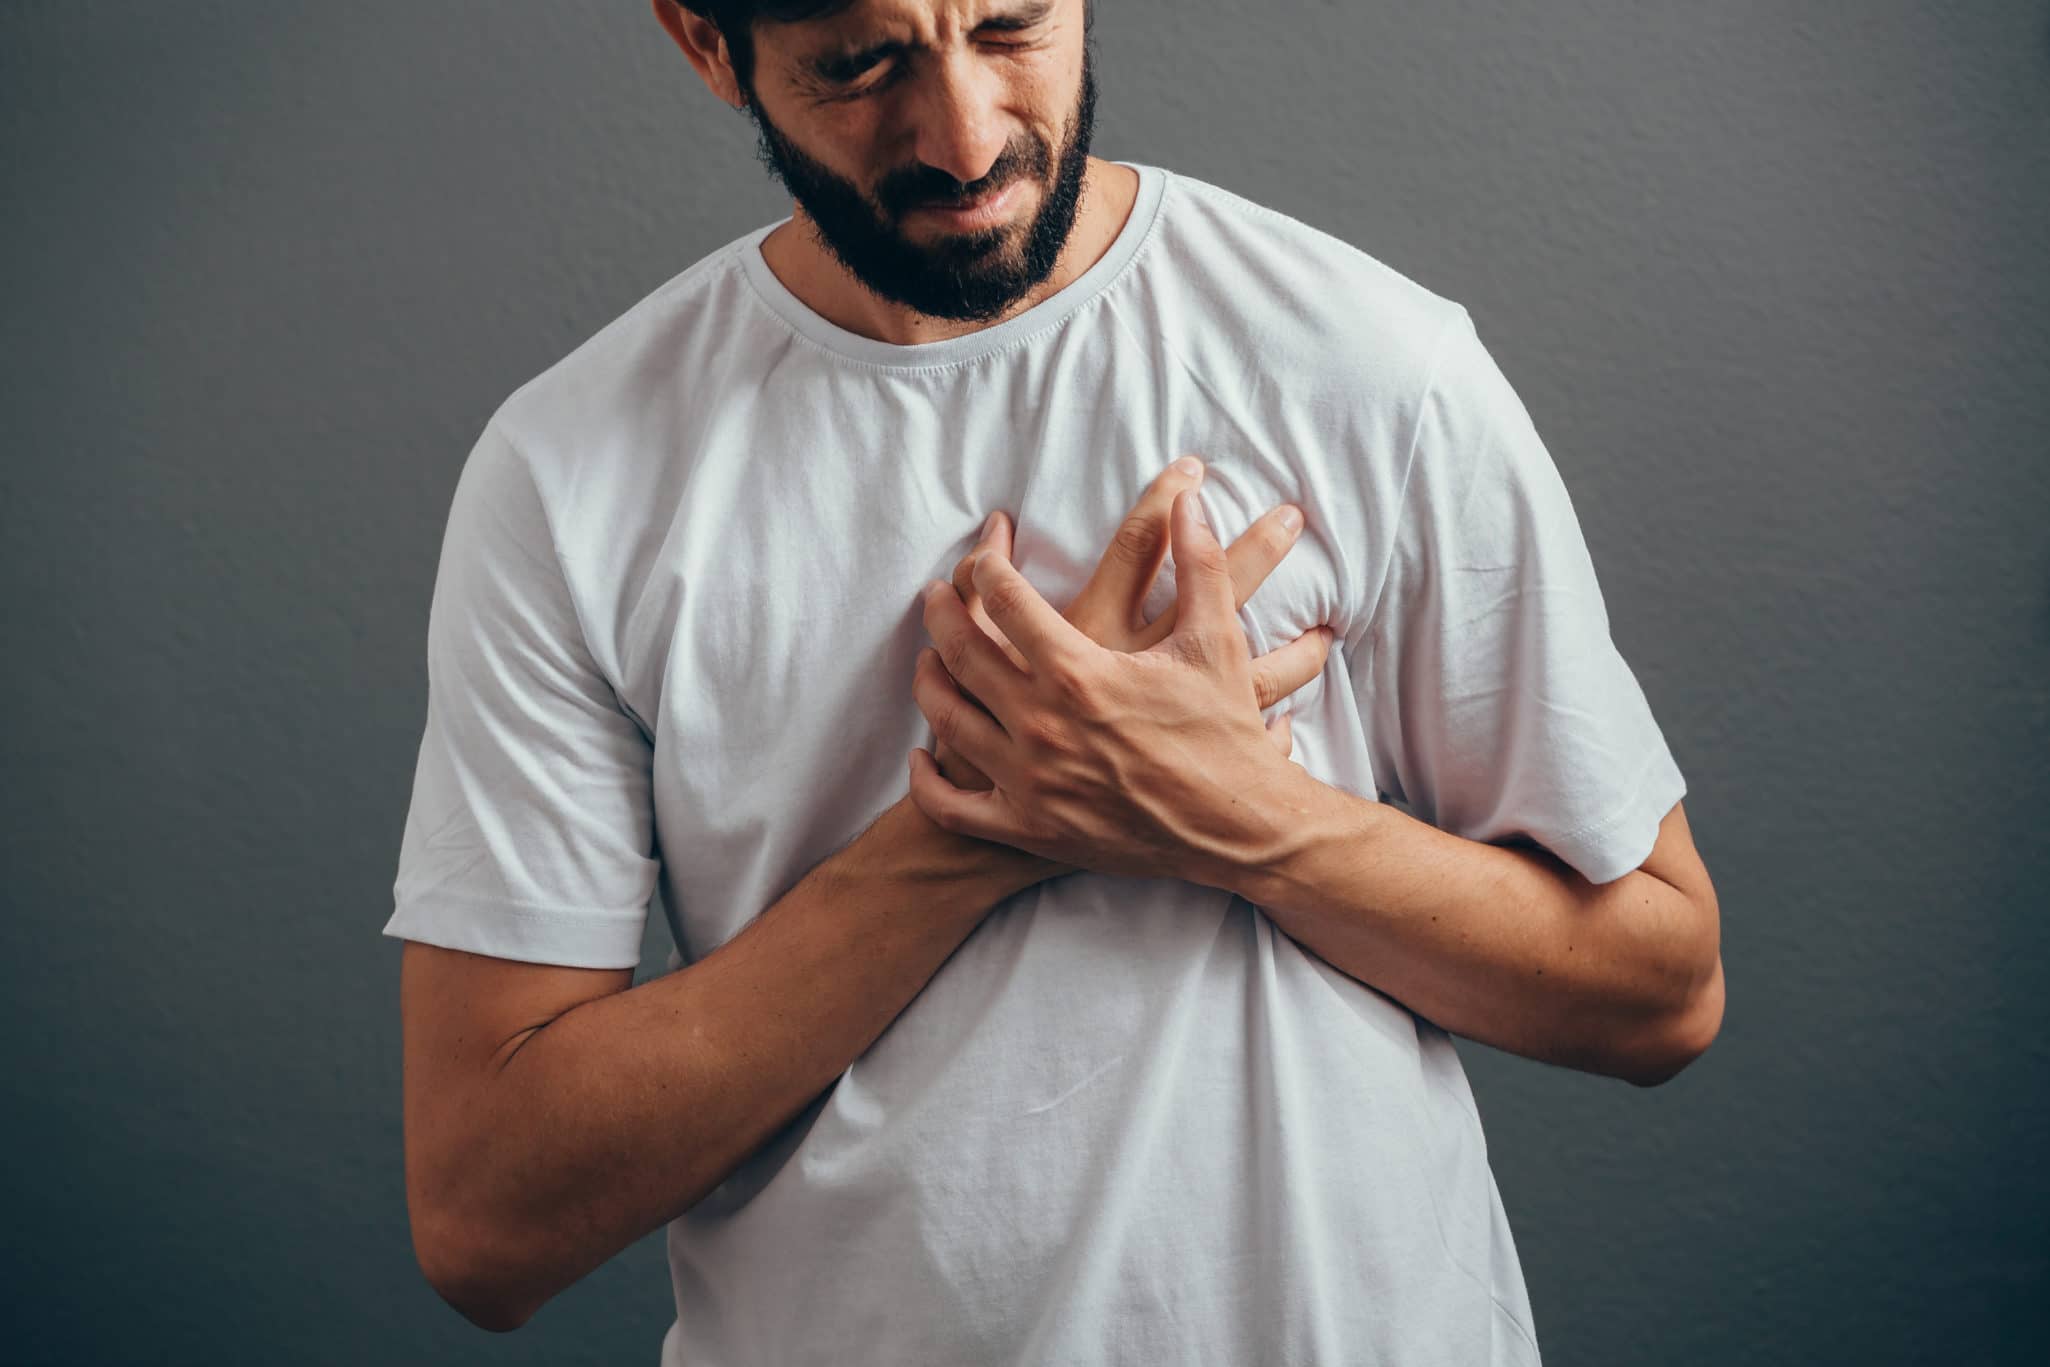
(736, 20)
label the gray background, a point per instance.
(1770, 278)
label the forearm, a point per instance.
(625, 1111)
(1509, 946)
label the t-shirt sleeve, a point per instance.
(530, 831)
(1495, 703)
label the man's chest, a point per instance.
(769, 635)
(800, 604)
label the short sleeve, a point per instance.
(1495, 703)
(530, 831)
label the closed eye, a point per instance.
(844, 71)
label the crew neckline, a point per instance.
(969, 345)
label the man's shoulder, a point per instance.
(661, 341)
(1309, 296)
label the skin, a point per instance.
(1106, 616)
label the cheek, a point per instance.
(1046, 86)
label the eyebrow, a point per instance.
(845, 64)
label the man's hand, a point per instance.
(1110, 609)
(1152, 763)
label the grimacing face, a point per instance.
(852, 108)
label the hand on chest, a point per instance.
(800, 622)
(1058, 548)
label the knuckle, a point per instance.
(1071, 676)
(1275, 539)
(1210, 646)
(954, 653)
(1133, 542)
(1044, 731)
(941, 712)
(1005, 599)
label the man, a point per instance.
(1107, 1021)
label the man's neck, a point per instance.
(817, 278)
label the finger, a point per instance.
(1203, 597)
(1278, 731)
(981, 815)
(996, 535)
(1049, 641)
(1284, 669)
(1115, 595)
(1252, 557)
(1259, 548)
(956, 721)
(958, 770)
(977, 663)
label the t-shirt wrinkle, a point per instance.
(1439, 348)
(560, 567)
(1223, 408)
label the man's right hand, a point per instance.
(1110, 608)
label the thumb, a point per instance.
(1278, 732)
(996, 536)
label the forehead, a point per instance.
(905, 20)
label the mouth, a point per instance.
(984, 211)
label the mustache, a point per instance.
(924, 187)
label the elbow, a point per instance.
(456, 1266)
(1686, 1038)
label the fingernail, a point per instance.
(1291, 517)
(989, 526)
(1189, 465)
(1196, 507)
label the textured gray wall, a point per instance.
(1771, 279)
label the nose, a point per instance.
(957, 124)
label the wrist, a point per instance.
(937, 853)
(1282, 819)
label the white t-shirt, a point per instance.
(1129, 1121)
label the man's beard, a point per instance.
(968, 277)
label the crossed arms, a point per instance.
(555, 1115)
(1153, 764)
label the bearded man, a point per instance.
(1276, 735)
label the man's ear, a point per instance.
(702, 42)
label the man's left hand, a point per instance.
(1154, 763)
